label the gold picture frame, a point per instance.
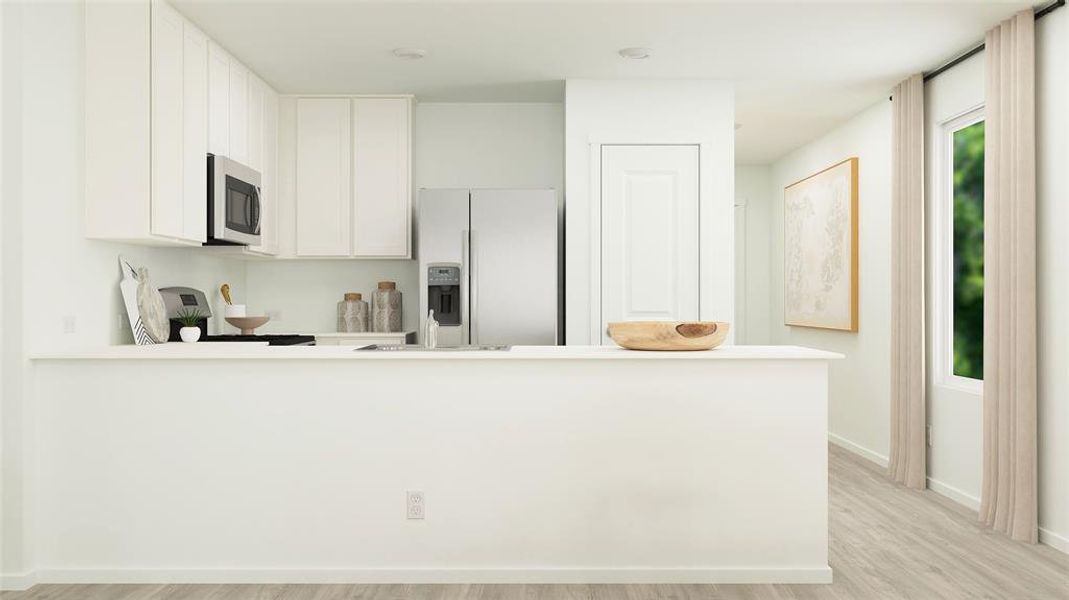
(820, 258)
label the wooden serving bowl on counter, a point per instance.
(669, 335)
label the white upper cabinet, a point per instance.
(353, 195)
(324, 187)
(270, 195)
(146, 97)
(263, 156)
(256, 96)
(218, 100)
(239, 113)
(194, 134)
(382, 194)
(159, 96)
(168, 48)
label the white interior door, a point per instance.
(649, 233)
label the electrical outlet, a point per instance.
(928, 435)
(415, 508)
(70, 324)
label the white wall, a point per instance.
(753, 184)
(489, 145)
(1052, 52)
(51, 272)
(954, 414)
(649, 111)
(302, 296)
(860, 385)
(455, 145)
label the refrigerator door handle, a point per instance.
(473, 250)
(465, 315)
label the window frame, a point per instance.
(943, 265)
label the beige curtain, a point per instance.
(908, 461)
(1008, 499)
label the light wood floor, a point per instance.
(887, 542)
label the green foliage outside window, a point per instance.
(969, 251)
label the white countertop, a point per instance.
(260, 351)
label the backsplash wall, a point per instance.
(302, 295)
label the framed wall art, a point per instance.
(820, 266)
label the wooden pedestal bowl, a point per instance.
(669, 335)
(247, 325)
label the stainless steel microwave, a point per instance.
(233, 203)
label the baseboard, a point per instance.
(949, 491)
(1058, 542)
(17, 582)
(858, 449)
(385, 576)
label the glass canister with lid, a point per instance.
(386, 308)
(352, 314)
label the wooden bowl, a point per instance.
(247, 325)
(669, 335)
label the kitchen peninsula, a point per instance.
(203, 463)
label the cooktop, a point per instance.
(272, 339)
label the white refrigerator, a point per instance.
(489, 265)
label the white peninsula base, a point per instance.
(570, 465)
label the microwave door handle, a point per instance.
(254, 208)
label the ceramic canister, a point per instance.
(352, 314)
(386, 308)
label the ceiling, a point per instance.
(800, 67)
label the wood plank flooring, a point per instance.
(887, 542)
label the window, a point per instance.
(968, 251)
(959, 248)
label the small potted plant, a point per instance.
(189, 319)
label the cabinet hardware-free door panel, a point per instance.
(257, 93)
(323, 187)
(649, 233)
(381, 195)
(194, 133)
(167, 133)
(269, 203)
(218, 100)
(238, 138)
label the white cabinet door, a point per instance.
(268, 166)
(649, 233)
(269, 230)
(323, 186)
(218, 100)
(239, 112)
(167, 215)
(194, 133)
(255, 112)
(382, 198)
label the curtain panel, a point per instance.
(1008, 497)
(908, 464)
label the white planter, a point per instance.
(189, 334)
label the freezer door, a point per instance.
(513, 267)
(443, 239)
